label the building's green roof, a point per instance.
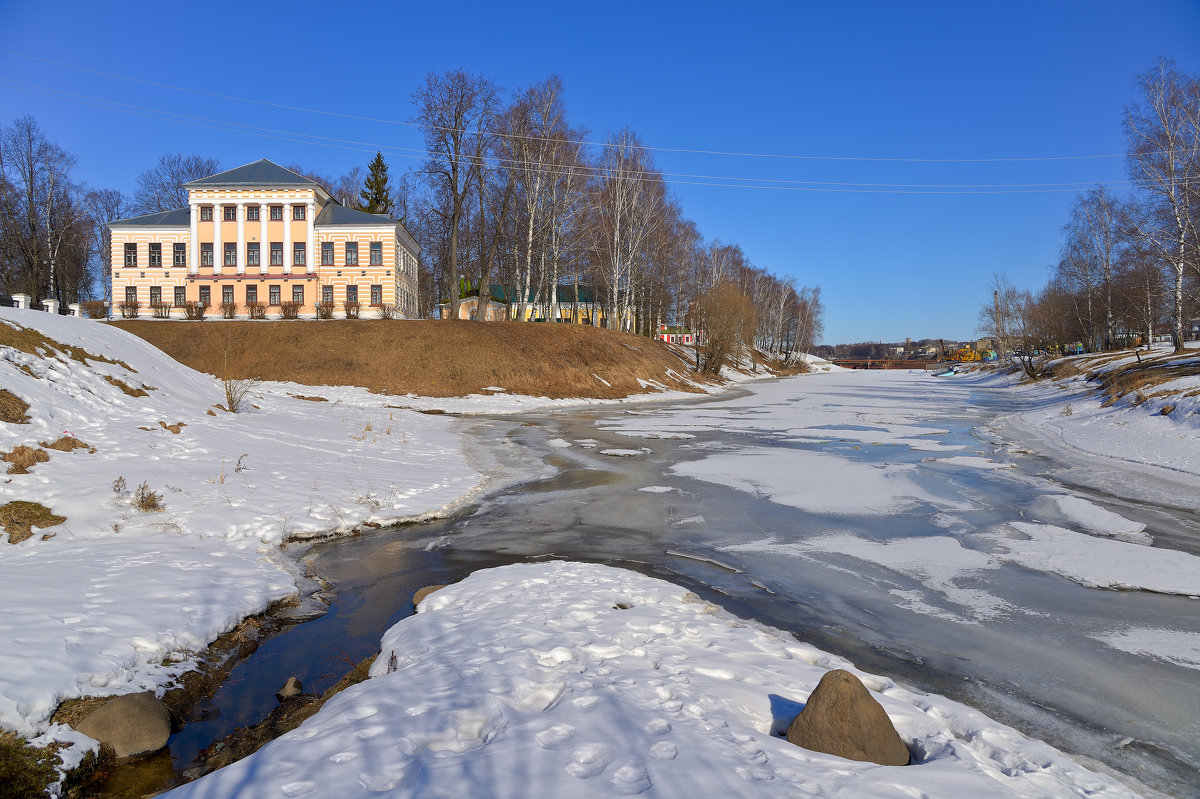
(334, 214)
(261, 173)
(180, 217)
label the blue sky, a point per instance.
(898, 247)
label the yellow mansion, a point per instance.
(263, 236)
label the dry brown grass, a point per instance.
(67, 444)
(310, 399)
(23, 458)
(18, 518)
(1140, 378)
(13, 408)
(172, 428)
(33, 342)
(128, 389)
(430, 358)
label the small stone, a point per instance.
(424, 592)
(842, 718)
(290, 688)
(134, 725)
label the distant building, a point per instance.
(673, 334)
(263, 234)
(504, 303)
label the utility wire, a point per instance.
(562, 170)
(418, 125)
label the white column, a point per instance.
(241, 243)
(218, 245)
(264, 246)
(194, 259)
(311, 216)
(287, 239)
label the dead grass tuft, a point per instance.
(23, 458)
(32, 342)
(18, 518)
(1167, 410)
(128, 389)
(25, 770)
(173, 428)
(67, 444)
(1064, 370)
(310, 399)
(430, 358)
(13, 408)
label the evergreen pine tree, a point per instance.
(377, 194)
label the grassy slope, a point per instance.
(430, 358)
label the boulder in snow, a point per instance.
(842, 718)
(134, 725)
(291, 688)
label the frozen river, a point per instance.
(896, 519)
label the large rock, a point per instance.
(842, 718)
(133, 725)
(293, 687)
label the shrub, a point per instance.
(146, 500)
(94, 309)
(228, 310)
(351, 308)
(194, 311)
(256, 310)
(130, 310)
(1068, 411)
(289, 310)
(324, 310)
(387, 310)
(162, 310)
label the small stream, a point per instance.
(1038, 668)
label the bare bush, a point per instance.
(351, 308)
(387, 310)
(290, 310)
(194, 311)
(161, 310)
(256, 310)
(325, 310)
(146, 500)
(130, 310)
(228, 310)
(94, 309)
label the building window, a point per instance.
(227, 294)
(230, 255)
(327, 254)
(252, 254)
(180, 295)
(206, 254)
(131, 294)
(155, 254)
(205, 296)
(155, 295)
(298, 253)
(351, 293)
(377, 253)
(298, 294)
(352, 253)
(277, 253)
(131, 255)
(179, 254)
(327, 295)
(206, 213)
(251, 294)
(273, 294)
(298, 213)
(377, 294)
(229, 213)
(276, 213)
(251, 213)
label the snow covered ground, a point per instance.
(522, 677)
(568, 679)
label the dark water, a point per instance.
(1038, 666)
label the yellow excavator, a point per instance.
(966, 354)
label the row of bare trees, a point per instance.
(511, 194)
(1130, 265)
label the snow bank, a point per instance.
(567, 679)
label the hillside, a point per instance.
(430, 358)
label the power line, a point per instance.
(693, 151)
(690, 179)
